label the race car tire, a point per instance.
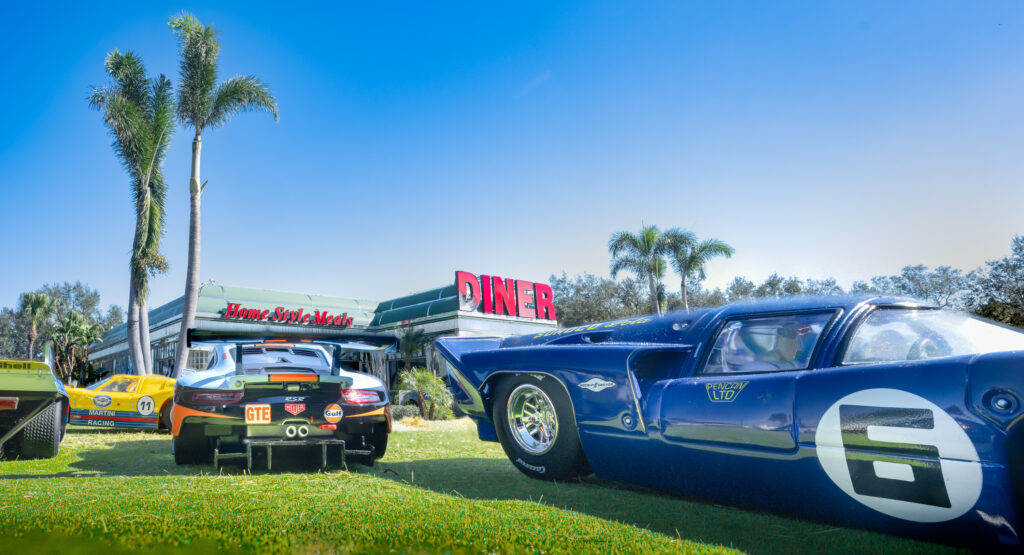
(165, 416)
(379, 440)
(535, 453)
(190, 447)
(40, 438)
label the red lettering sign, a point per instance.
(468, 287)
(524, 293)
(496, 295)
(504, 296)
(285, 316)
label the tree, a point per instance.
(586, 299)
(15, 325)
(997, 291)
(410, 343)
(945, 286)
(430, 389)
(689, 256)
(139, 112)
(38, 308)
(643, 254)
(203, 103)
(739, 288)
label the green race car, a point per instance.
(33, 410)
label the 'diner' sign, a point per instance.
(511, 297)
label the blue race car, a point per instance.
(880, 413)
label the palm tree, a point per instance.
(90, 333)
(140, 115)
(39, 307)
(643, 254)
(430, 389)
(689, 256)
(410, 343)
(203, 103)
(68, 335)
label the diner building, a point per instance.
(472, 305)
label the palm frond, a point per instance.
(244, 93)
(199, 50)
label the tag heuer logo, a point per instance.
(597, 384)
(294, 408)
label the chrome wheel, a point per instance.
(531, 419)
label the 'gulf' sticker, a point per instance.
(257, 414)
(900, 455)
(333, 414)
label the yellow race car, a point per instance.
(124, 401)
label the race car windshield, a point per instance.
(276, 357)
(895, 335)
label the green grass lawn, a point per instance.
(438, 489)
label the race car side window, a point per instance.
(900, 334)
(769, 344)
(121, 385)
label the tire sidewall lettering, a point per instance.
(866, 441)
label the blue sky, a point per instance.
(820, 139)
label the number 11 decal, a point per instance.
(899, 454)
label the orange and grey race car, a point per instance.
(248, 397)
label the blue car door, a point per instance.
(732, 421)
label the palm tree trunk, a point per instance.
(32, 335)
(134, 349)
(655, 307)
(686, 304)
(144, 344)
(72, 366)
(188, 311)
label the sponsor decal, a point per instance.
(597, 384)
(592, 327)
(294, 399)
(524, 464)
(146, 405)
(257, 414)
(5, 365)
(724, 392)
(101, 412)
(102, 401)
(900, 455)
(295, 408)
(333, 414)
(282, 315)
(8, 403)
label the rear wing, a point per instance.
(354, 339)
(344, 340)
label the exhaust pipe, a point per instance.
(303, 431)
(289, 432)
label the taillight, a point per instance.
(360, 396)
(328, 426)
(219, 397)
(8, 403)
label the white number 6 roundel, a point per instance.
(899, 454)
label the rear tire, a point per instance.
(379, 440)
(190, 447)
(40, 438)
(541, 438)
(165, 416)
